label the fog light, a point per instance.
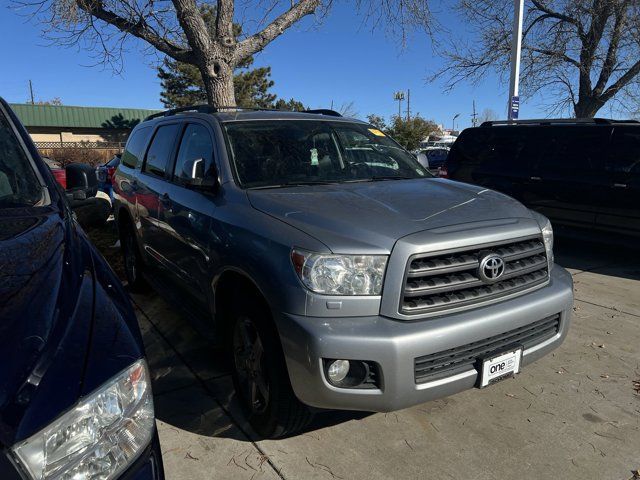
(338, 370)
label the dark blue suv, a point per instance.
(75, 390)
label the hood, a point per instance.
(370, 217)
(37, 257)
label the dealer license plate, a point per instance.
(500, 366)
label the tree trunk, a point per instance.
(587, 107)
(218, 82)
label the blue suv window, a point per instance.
(161, 149)
(19, 186)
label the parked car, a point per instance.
(338, 270)
(436, 156)
(105, 172)
(75, 390)
(80, 184)
(579, 173)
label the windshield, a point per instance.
(294, 152)
(19, 186)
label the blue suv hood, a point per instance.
(372, 216)
(38, 257)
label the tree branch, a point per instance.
(194, 27)
(552, 53)
(257, 42)
(224, 21)
(138, 29)
(622, 82)
(560, 16)
(612, 52)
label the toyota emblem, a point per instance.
(491, 268)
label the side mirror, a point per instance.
(423, 160)
(194, 176)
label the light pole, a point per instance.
(454, 121)
(516, 46)
(399, 97)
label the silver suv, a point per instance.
(341, 274)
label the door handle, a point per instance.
(620, 185)
(537, 179)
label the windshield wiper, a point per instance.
(295, 184)
(376, 178)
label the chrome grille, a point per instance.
(460, 359)
(444, 280)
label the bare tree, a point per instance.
(578, 54)
(487, 115)
(348, 109)
(176, 28)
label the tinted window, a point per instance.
(624, 155)
(196, 145)
(19, 186)
(135, 147)
(161, 149)
(500, 148)
(573, 149)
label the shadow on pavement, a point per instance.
(580, 251)
(192, 384)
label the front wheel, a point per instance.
(260, 377)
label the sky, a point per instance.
(337, 62)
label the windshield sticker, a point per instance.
(377, 132)
(314, 156)
(419, 172)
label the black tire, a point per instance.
(281, 413)
(133, 265)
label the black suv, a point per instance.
(583, 173)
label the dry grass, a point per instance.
(90, 156)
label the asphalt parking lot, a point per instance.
(574, 414)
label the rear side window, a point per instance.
(624, 154)
(195, 154)
(19, 186)
(574, 150)
(499, 148)
(472, 147)
(161, 149)
(135, 147)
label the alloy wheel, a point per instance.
(248, 354)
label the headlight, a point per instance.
(340, 274)
(99, 437)
(547, 236)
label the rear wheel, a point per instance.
(260, 377)
(132, 260)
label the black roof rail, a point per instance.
(211, 109)
(191, 108)
(324, 111)
(557, 121)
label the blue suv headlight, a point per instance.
(98, 438)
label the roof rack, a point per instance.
(212, 109)
(557, 121)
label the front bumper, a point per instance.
(394, 344)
